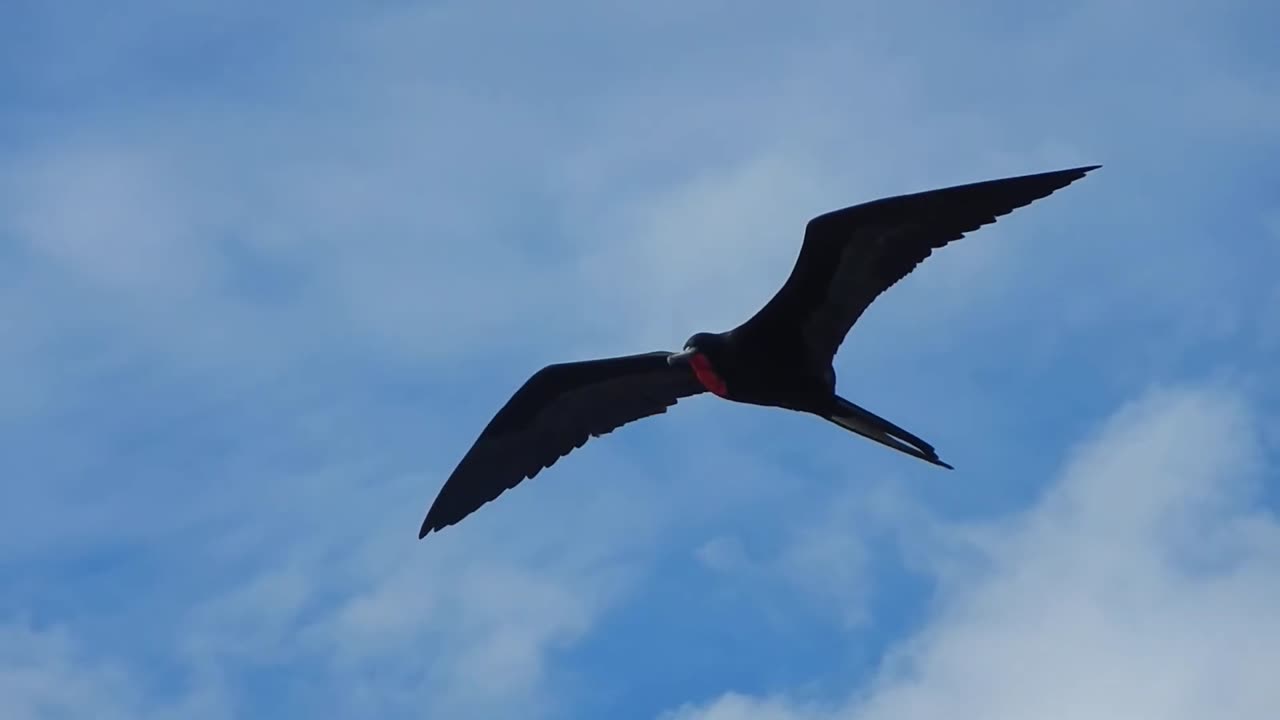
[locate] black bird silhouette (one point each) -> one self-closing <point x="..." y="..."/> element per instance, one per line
<point x="781" y="357"/>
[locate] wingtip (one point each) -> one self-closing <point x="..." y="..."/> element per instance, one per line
<point x="427" y="527"/>
<point x="1061" y="178"/>
<point x="433" y="523"/>
<point x="1075" y="173"/>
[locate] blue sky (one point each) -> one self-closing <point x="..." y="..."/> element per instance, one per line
<point x="267" y="270"/>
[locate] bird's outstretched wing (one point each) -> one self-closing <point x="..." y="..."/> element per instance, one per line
<point x="554" y="412"/>
<point x="850" y="256"/>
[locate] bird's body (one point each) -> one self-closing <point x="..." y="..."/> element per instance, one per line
<point x="781" y="357"/>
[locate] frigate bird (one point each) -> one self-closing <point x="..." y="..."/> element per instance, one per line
<point x="780" y="357"/>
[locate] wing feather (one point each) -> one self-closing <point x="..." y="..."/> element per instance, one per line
<point x="555" y="412"/>
<point x="852" y="255"/>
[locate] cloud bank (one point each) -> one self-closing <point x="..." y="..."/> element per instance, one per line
<point x="1139" y="585"/>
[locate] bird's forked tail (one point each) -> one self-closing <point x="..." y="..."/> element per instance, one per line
<point x="869" y="425"/>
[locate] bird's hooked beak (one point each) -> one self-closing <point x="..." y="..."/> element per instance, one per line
<point x="682" y="358"/>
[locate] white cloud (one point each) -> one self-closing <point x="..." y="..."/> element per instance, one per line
<point x="1143" y="584"/>
<point x="464" y="624"/>
<point x="46" y="674"/>
<point x="819" y="563"/>
<point x="736" y="706"/>
<point x="40" y="677"/>
<point x="119" y="219"/>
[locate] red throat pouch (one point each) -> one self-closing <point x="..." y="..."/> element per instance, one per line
<point x="707" y="375"/>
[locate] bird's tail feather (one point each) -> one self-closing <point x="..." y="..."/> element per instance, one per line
<point x="872" y="426"/>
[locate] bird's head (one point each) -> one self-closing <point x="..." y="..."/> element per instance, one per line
<point x="703" y="353"/>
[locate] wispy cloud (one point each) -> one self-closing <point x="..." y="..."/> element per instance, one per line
<point x="1136" y="586"/>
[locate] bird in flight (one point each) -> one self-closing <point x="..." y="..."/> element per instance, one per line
<point x="780" y="357"/>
